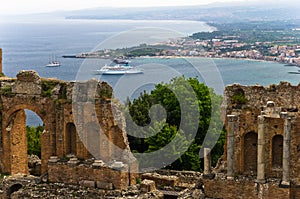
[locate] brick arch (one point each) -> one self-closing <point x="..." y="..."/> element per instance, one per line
<point x="53" y="102"/>
<point x="250" y="153"/>
<point x="14" y="141"/>
<point x="9" y="114"/>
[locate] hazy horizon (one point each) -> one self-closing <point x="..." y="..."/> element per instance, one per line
<point x="16" y="7"/>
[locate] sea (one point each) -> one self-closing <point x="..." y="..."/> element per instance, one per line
<point x="29" y="44"/>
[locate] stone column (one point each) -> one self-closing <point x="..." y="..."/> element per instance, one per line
<point x="286" y="149"/>
<point x="260" y="150"/>
<point x="232" y="119"/>
<point x="207" y="162"/>
<point x="18" y="145"/>
<point x="0" y="60"/>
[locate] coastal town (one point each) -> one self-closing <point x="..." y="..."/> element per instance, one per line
<point x="282" y="46"/>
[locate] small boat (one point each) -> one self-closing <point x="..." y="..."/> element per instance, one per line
<point x="121" y="61"/>
<point x="118" y="70"/>
<point x="69" y="56"/>
<point x="291" y="64"/>
<point x="53" y="63"/>
<point x="295" y="72"/>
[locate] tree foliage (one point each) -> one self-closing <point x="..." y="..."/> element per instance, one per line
<point x="162" y="131"/>
<point x="33" y="140"/>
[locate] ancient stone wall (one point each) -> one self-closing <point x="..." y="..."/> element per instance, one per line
<point x="284" y="95"/>
<point x="81" y="119"/>
<point x="190" y="177"/>
<point x="243" y="188"/>
<point x="75" y="172"/>
<point x="261" y="154"/>
<point x="247" y="108"/>
<point x="0" y="60"/>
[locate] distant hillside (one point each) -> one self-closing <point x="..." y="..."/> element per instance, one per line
<point x="220" y="13"/>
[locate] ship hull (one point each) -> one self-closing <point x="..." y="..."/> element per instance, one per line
<point x="127" y="72"/>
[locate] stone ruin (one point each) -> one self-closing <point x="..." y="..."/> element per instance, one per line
<point x="260" y="160"/>
<point x="84" y="136"/>
<point x="262" y="150"/>
<point x="84" y="146"/>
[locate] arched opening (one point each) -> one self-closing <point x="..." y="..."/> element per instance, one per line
<point x="250" y="153"/>
<point x="277" y="151"/>
<point x="34" y="130"/>
<point x="71" y="139"/>
<point x="13" y="188"/>
<point x="22" y="141"/>
<point x="93" y="140"/>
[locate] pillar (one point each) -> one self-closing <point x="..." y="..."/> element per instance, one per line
<point x="0" y="60"/>
<point x="18" y="145"/>
<point x="260" y="150"/>
<point x="232" y="119"/>
<point x="286" y="149"/>
<point x="207" y="161"/>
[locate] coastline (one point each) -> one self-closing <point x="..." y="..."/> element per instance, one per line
<point x="263" y="59"/>
<point x="177" y="57"/>
<point x="229" y="58"/>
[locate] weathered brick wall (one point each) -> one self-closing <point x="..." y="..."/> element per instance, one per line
<point x="295" y="152"/>
<point x="189" y="177"/>
<point x="61" y="104"/>
<point x="74" y="174"/>
<point x="247" y="109"/>
<point x="161" y="179"/>
<point x="13" y="102"/>
<point x="243" y="188"/>
<point x="286" y="97"/>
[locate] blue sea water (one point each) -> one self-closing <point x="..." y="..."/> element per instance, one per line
<point x="28" y="45"/>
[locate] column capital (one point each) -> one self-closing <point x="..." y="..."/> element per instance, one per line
<point x="261" y="119"/>
<point x="284" y="115"/>
<point x="232" y="118"/>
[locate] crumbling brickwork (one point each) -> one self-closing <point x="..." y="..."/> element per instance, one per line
<point x="261" y="155"/>
<point x="243" y="188"/>
<point x="76" y="172"/>
<point x="81" y="119"/>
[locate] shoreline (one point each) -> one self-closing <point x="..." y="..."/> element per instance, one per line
<point x="183" y="57"/>
<point x="229" y="58"/>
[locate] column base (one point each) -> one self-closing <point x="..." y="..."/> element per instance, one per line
<point x="285" y="184"/>
<point x="209" y="176"/>
<point x="261" y="181"/>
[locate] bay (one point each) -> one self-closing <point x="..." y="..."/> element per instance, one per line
<point x="27" y="45"/>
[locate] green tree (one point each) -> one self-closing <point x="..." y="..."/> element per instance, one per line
<point x="33" y="140"/>
<point x="166" y="95"/>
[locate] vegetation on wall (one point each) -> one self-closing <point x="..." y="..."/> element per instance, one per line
<point x="47" y="87"/>
<point x="238" y="98"/>
<point x="63" y="91"/>
<point x="105" y="92"/>
<point x="6" y="91"/>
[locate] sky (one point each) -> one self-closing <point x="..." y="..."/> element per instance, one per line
<point x="15" y="7"/>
